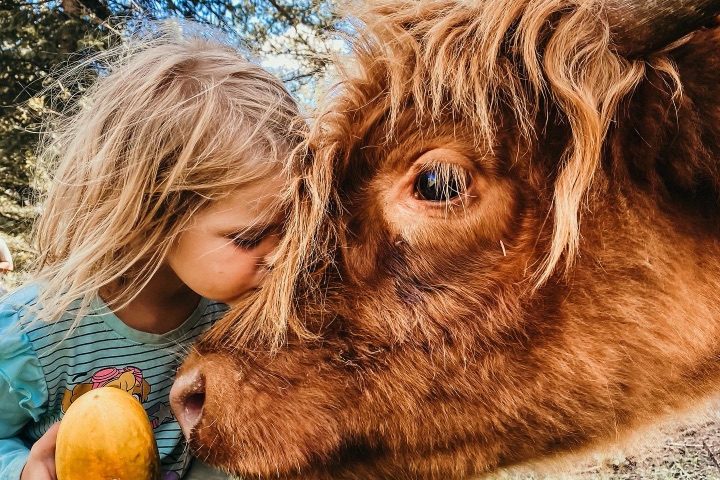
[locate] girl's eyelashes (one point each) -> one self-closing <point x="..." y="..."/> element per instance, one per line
<point x="251" y="238"/>
<point x="247" y="243"/>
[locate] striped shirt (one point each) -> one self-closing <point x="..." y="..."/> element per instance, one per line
<point x="100" y="351"/>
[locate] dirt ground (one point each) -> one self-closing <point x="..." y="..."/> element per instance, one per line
<point x="688" y="447"/>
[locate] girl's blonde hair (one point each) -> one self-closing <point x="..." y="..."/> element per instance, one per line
<point x="172" y="123"/>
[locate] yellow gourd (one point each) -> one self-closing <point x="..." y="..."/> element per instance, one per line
<point x="106" y="435"/>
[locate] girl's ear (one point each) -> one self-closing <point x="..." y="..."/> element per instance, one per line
<point x="640" y="27"/>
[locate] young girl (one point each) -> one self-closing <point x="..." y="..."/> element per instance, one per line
<point x="161" y="209"/>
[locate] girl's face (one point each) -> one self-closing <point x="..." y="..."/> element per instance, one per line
<point x="223" y="253"/>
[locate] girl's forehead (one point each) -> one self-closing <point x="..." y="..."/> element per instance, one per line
<point x="251" y="203"/>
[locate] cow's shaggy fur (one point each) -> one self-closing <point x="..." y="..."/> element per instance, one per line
<point x="570" y="293"/>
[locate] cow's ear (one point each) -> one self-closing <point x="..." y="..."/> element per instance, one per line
<point x="642" y="27"/>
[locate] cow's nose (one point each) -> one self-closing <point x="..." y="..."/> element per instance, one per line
<point x="187" y="398"/>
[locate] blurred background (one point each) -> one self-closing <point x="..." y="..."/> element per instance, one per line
<point x="293" y="39"/>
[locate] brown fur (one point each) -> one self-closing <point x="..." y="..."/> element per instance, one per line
<point x="446" y="343"/>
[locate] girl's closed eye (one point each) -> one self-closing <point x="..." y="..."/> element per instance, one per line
<point x="247" y="243"/>
<point x="251" y="238"/>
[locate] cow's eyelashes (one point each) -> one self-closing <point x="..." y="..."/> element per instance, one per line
<point x="441" y="183"/>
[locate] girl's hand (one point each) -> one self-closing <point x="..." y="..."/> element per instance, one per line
<point x="41" y="462"/>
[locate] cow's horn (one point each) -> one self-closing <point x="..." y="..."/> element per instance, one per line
<point x="641" y="27"/>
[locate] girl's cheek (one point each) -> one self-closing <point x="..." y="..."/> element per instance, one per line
<point x="248" y="266"/>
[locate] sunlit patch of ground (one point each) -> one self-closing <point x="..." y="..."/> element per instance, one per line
<point x="688" y="448"/>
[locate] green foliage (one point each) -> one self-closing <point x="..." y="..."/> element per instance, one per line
<point x="293" y="29"/>
<point x="38" y="36"/>
<point x="33" y="39"/>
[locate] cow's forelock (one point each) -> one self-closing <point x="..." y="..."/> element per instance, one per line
<point x="482" y="64"/>
<point x="476" y="61"/>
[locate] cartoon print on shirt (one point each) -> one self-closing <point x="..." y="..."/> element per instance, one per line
<point x="129" y="379"/>
<point x="160" y="413"/>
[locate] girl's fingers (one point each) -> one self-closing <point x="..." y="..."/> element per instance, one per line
<point x="52" y="432"/>
<point x="41" y="462"/>
<point x="50" y="438"/>
<point x="46" y="444"/>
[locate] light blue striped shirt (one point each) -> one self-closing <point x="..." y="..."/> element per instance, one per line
<point x="44" y="367"/>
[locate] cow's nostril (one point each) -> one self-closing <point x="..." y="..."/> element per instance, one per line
<point x="194" y="402"/>
<point x="187" y="398"/>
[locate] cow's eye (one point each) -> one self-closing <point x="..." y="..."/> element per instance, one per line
<point x="440" y="184"/>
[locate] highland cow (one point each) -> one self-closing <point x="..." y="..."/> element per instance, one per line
<point x="502" y="244"/>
